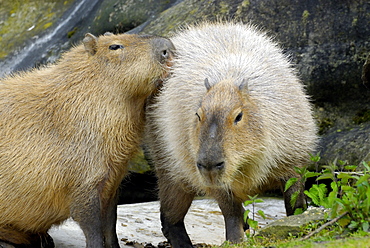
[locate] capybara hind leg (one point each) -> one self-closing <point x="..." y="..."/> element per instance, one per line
<point x="300" y="202"/>
<point x="11" y="237"/>
<point x="89" y="217"/>
<point x="175" y="203"/>
<point x="232" y="210"/>
<point x="110" y="219"/>
<point x="39" y="240"/>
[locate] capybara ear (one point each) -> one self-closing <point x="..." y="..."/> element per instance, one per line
<point x="206" y="83"/>
<point x="90" y="43"/>
<point x="244" y="85"/>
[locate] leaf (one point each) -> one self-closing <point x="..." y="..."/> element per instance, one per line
<point x="350" y="167"/>
<point x="346" y="188"/>
<point x="245" y="215"/>
<point x="293" y="198"/>
<point x="290" y="182"/>
<point x="253" y="197"/>
<point x="298" y="211"/>
<point x="363" y="179"/>
<point x="326" y="176"/>
<point x="367" y="167"/>
<point x="314" y="197"/>
<point x="258" y="201"/>
<point x="312" y="174"/>
<point x="345" y="177"/>
<point x="343" y="222"/>
<point x="321" y="189"/>
<point x="334" y="186"/>
<point x="262" y="214"/>
<point x="252" y="223"/>
<point x="331" y="199"/>
<point x="353" y="224"/>
<point x="300" y="170"/>
<point x="315" y="158"/>
<point x="365" y="226"/>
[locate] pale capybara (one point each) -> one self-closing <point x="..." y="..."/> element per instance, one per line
<point x="67" y="132"/>
<point x="232" y="120"/>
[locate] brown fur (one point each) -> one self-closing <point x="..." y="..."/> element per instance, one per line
<point x="232" y="120"/>
<point x="67" y="132"/>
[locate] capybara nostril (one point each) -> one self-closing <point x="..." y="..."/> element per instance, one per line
<point x="220" y="165"/>
<point x="211" y="166"/>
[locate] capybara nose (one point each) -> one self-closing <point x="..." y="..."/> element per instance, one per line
<point x="210" y="165"/>
<point x="163" y="49"/>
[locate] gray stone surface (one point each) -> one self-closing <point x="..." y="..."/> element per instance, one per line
<point x="282" y="228"/>
<point x="140" y="222"/>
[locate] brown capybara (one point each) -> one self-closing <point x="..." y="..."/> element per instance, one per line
<point x="232" y="120"/>
<point x="67" y="132"/>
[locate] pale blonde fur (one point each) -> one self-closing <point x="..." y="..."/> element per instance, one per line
<point x="284" y="132"/>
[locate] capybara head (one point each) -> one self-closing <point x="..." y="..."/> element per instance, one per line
<point x="144" y="58"/>
<point x="227" y="131"/>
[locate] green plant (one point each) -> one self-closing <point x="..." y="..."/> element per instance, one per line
<point x="348" y="195"/>
<point x="304" y="175"/>
<point x="253" y="200"/>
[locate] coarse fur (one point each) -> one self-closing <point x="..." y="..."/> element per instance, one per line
<point x="232" y="120"/>
<point x="67" y="132"/>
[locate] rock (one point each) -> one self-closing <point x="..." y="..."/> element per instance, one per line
<point x="350" y="145"/>
<point x="366" y="71"/>
<point x="291" y="225"/>
<point x="139" y="224"/>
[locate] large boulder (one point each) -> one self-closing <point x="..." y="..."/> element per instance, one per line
<point x="328" y="41"/>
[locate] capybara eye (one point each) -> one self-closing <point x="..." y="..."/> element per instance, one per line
<point x="165" y="54"/>
<point x="238" y="117"/>
<point x="115" y="47"/>
<point x="197" y="116"/>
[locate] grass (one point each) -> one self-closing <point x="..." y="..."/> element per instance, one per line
<point x="327" y="240"/>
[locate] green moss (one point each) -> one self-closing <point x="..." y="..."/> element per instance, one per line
<point x="246" y="3"/>
<point x="17" y="18"/>
<point x="305" y="16"/>
<point x="224" y="8"/>
<point x="72" y="32"/>
<point x="47" y="25"/>
<point x="243" y="5"/>
<point x="362" y="116"/>
<point x="324" y="125"/>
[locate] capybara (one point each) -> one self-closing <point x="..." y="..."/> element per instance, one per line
<point x="67" y="132"/>
<point x="232" y="120"/>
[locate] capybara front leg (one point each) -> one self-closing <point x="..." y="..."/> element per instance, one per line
<point x="175" y="203"/>
<point x="110" y="219"/>
<point x="300" y="202"/>
<point x="88" y="216"/>
<point x="232" y="210"/>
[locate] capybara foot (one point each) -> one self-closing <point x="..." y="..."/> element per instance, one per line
<point x="176" y="234"/>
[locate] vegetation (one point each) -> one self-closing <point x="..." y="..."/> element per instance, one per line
<point x="342" y="189"/>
